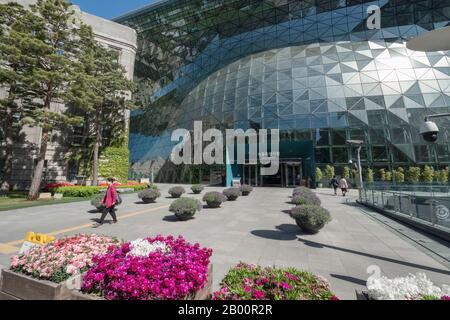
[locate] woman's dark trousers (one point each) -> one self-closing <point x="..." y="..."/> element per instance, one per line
<point x="111" y="211"/>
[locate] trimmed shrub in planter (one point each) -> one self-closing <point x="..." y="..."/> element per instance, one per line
<point x="185" y="208"/>
<point x="302" y="196"/>
<point x="246" y="189"/>
<point x="149" y="195"/>
<point x="160" y="268"/>
<point x="306" y="199"/>
<point x="96" y="201"/>
<point x="232" y="193"/>
<point x="310" y="218"/>
<point x="197" y="188"/>
<point x="214" y="199"/>
<point x="176" y="192"/>
<point x="250" y="282"/>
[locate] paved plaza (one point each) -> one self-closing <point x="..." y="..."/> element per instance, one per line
<point x="254" y="229"/>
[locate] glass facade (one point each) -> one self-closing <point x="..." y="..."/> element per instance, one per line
<point x="310" y="68"/>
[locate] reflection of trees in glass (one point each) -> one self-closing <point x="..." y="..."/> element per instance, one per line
<point x="156" y="117"/>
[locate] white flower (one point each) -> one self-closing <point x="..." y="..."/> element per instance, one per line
<point x="402" y="288"/>
<point x="142" y="248"/>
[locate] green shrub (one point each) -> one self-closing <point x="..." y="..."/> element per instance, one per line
<point x="399" y="175"/>
<point x="330" y="172"/>
<point x="388" y="175"/>
<point x="346" y="173"/>
<point x="310" y="218"/>
<point x="442" y="176"/>
<point x="149" y="195"/>
<point x="176" y="192"/>
<point x="185" y="208"/>
<point x="319" y="175"/>
<point x="301" y="191"/>
<point x="382" y="174"/>
<point x="96" y="201"/>
<point x="369" y="175"/>
<point x="214" y="199"/>
<point x="78" y="192"/>
<point x="246" y="189"/>
<point x="232" y="193"/>
<point x="197" y="188"/>
<point x="414" y="174"/>
<point x="306" y="199"/>
<point x="428" y="174"/>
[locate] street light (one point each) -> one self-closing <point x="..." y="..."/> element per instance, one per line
<point x="358" y="144"/>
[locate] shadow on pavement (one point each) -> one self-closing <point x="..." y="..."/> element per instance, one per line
<point x="284" y="232"/>
<point x="373" y="256"/>
<point x="349" y="279"/>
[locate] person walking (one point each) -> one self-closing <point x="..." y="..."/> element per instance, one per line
<point x="344" y="186"/>
<point x="109" y="201"/>
<point x="335" y="184"/>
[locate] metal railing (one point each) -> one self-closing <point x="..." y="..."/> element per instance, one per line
<point x="428" y="205"/>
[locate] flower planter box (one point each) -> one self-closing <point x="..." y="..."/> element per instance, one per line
<point x="23" y="287"/>
<point x="203" y="294"/>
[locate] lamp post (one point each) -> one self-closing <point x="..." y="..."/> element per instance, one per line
<point x="358" y="144"/>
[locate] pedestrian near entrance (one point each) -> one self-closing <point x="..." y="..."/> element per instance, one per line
<point x="344" y="186"/>
<point x="335" y="184"/>
<point x="109" y="201"/>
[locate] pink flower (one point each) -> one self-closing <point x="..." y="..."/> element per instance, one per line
<point x="258" y="294"/>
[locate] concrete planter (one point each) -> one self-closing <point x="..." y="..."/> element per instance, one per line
<point x="22" y="287"/>
<point x="203" y="294"/>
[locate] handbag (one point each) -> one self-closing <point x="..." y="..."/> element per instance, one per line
<point x="119" y="199"/>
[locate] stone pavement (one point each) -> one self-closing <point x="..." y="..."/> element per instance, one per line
<point x="254" y="229"/>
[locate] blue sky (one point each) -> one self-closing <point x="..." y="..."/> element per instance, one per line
<point x="110" y="8"/>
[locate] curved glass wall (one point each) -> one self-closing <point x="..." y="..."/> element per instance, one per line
<point x="310" y="68"/>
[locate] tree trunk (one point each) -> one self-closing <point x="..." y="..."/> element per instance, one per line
<point x="98" y="141"/>
<point x="7" y="169"/>
<point x="37" y="175"/>
<point x="33" y="194"/>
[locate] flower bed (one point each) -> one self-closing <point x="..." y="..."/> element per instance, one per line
<point x="412" y="287"/>
<point x="160" y="268"/>
<point x="63" y="258"/>
<point x="49" y="186"/>
<point x="250" y="282"/>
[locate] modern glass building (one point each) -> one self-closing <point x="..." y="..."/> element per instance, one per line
<point x="313" y="69"/>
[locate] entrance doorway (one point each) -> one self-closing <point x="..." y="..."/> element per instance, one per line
<point x="291" y="174"/>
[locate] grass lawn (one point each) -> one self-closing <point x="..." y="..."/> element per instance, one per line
<point x="19" y="201"/>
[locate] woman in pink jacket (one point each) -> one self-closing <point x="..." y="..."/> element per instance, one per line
<point x="109" y="201"/>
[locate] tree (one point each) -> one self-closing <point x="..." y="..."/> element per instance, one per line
<point x="319" y="175"/>
<point x="428" y="174"/>
<point x="346" y="173"/>
<point x="388" y="175"/>
<point x="382" y="174"/>
<point x="414" y="174"/>
<point x="14" y="20"/>
<point x="104" y="89"/>
<point x="442" y="176"/>
<point x="47" y="53"/>
<point x="330" y="172"/>
<point x="399" y="175"/>
<point x="369" y="175"/>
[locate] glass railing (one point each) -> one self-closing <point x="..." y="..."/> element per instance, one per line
<point x="424" y="204"/>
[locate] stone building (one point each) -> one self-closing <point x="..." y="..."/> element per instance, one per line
<point x="58" y="167"/>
